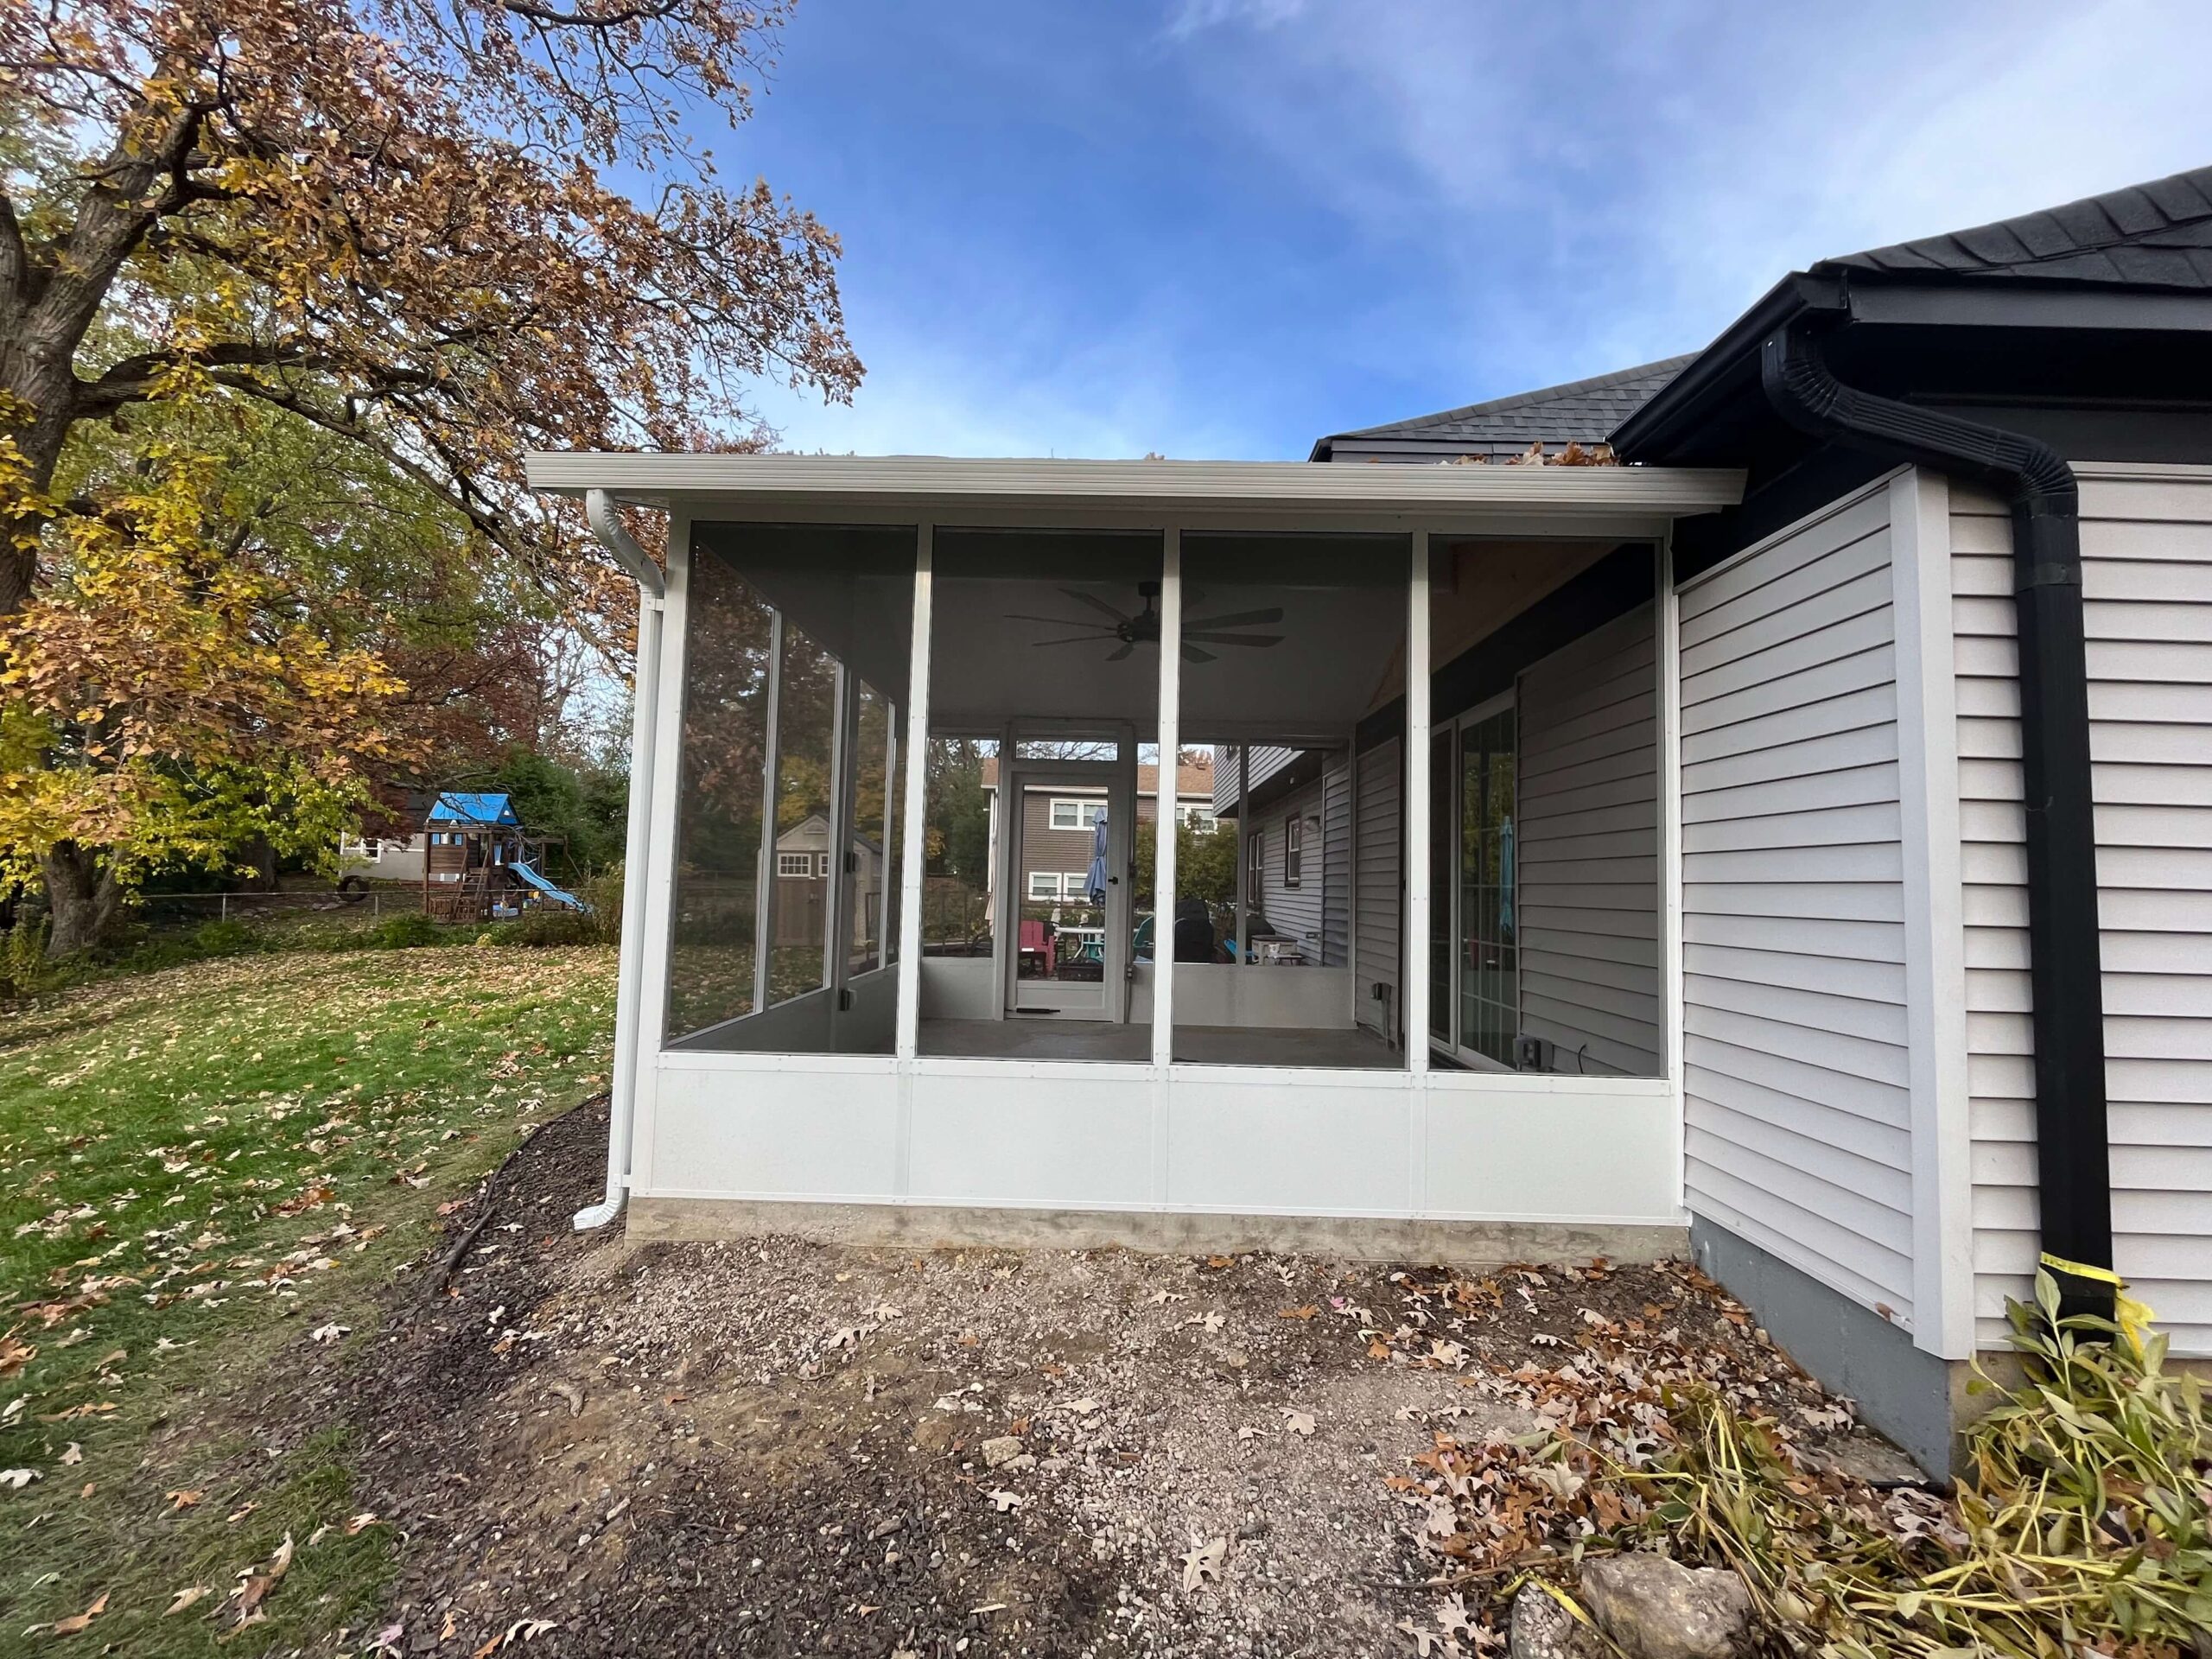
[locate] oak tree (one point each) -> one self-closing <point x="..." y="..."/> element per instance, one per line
<point x="443" y="231"/>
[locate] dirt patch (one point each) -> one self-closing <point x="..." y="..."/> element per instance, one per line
<point x="779" y="1447"/>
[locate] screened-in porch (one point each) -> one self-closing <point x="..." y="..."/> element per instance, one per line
<point x="932" y="914"/>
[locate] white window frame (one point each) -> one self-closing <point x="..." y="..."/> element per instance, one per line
<point x="1038" y="888"/>
<point x="1076" y="885"/>
<point x="794" y="864"/>
<point x="1293" y="851"/>
<point x="1201" y="820"/>
<point x="1076" y="804"/>
<point x="1255" y="870"/>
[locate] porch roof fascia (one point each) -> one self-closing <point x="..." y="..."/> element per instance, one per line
<point x="951" y="489"/>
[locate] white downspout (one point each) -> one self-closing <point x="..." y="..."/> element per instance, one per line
<point x="653" y="589"/>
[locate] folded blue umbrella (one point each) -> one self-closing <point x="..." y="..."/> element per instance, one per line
<point x="1098" y="861"/>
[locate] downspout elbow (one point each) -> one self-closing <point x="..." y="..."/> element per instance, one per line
<point x="607" y="524"/>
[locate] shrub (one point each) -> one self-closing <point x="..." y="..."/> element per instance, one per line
<point x="405" y="931"/>
<point x="23" y="966"/>
<point x="542" y="926"/>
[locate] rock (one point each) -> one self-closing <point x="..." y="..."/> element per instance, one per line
<point x="1004" y="1449"/>
<point x="1656" y="1608"/>
<point x="1865" y="1456"/>
<point x="1542" y="1629"/>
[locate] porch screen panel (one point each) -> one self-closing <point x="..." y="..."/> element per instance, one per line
<point x="782" y="789"/>
<point x="1043" y="672"/>
<point x="1293" y="643"/>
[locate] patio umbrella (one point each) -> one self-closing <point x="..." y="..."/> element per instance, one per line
<point x="1098" y="861"/>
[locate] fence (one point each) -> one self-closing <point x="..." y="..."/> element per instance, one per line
<point x="189" y="909"/>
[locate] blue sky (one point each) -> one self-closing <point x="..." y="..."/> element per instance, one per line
<point x="1220" y="228"/>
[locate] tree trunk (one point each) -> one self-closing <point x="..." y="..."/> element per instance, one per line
<point x="82" y="894"/>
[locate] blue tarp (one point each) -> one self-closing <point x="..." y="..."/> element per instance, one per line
<point x="546" y="887"/>
<point x="464" y="806"/>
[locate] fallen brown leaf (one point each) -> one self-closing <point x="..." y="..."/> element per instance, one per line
<point x="77" y="1622"/>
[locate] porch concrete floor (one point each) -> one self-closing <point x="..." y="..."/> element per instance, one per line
<point x="1028" y="1037"/>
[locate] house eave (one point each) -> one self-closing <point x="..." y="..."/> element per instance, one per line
<point x="949" y="489"/>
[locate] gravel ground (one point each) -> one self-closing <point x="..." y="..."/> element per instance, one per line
<point x="774" y="1447"/>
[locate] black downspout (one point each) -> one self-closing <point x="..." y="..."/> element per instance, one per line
<point x="2073" y="1160"/>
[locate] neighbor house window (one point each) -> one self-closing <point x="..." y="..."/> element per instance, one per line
<point x="1076" y="815"/>
<point x="1043" y="884"/>
<point x="1076" y="884"/>
<point x="1293" y="851"/>
<point x="1201" y="819"/>
<point x="1256" y="863"/>
<point x="794" y="863"/>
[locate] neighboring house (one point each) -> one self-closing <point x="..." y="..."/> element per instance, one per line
<point x="382" y="858"/>
<point x="803" y="882"/>
<point x="1792" y="842"/>
<point x="1059" y="835"/>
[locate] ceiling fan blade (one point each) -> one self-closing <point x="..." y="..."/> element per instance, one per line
<point x="1116" y="655"/>
<point x="1236" y="639"/>
<point x="1192" y="598"/>
<point x="1193" y="654"/>
<point x="1074" y="639"/>
<point x="1236" y="619"/>
<point x="1094" y="602"/>
<point x="1057" y="621"/>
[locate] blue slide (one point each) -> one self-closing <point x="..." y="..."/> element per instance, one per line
<point x="546" y="887"/>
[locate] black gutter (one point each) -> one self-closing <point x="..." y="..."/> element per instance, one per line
<point x="2073" y="1158"/>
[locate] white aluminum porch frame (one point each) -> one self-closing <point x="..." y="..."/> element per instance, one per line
<point x="1161" y="1136"/>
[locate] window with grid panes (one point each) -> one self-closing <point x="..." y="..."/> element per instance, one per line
<point x="1489" y="971"/>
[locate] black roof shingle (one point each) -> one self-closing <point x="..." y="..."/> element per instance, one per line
<point x="2153" y="235"/>
<point x="1580" y="412"/>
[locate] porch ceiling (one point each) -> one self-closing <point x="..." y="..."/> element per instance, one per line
<point x="955" y="490"/>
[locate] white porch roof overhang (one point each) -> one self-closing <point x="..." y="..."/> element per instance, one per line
<point x="1512" y="500"/>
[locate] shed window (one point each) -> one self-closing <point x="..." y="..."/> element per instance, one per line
<point x="794" y="863"/>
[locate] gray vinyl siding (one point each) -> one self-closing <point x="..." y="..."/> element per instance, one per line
<point x="2147" y="546"/>
<point x="1295" y="910"/>
<point x="1266" y="762"/>
<point x="1588" y="850"/>
<point x="1336" y="867"/>
<point x="1375" y="882"/>
<point x="1798" y="1131"/>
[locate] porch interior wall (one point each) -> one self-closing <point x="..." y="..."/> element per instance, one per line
<point x="1588" y="851"/>
<point x="1796" y="1088"/>
<point x="1294" y="911"/>
<point x="1378" y="883"/>
<point x="2146" y="553"/>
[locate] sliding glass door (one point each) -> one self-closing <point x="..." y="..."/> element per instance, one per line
<point x="1485" y="1000"/>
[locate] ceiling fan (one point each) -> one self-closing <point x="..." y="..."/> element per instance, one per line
<point x="1143" y="628"/>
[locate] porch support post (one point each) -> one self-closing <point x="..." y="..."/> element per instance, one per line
<point x="1666" y="621"/>
<point x="884" y="942"/>
<point x="838" y="913"/>
<point x="1244" y="844"/>
<point x="1170" y="754"/>
<point x="1415" y="945"/>
<point x="906" y="1041"/>
<point x="764" y="876"/>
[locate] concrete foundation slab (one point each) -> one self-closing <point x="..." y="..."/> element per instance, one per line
<point x="915" y="1226"/>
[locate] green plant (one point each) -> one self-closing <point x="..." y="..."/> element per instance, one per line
<point x="24" y="967"/>
<point x="2085" y="1525"/>
<point x="542" y="926"/>
<point x="405" y="931"/>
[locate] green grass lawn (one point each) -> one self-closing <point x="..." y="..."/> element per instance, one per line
<point x="198" y="1167"/>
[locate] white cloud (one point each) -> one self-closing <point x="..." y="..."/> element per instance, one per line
<point x="1664" y="166"/>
